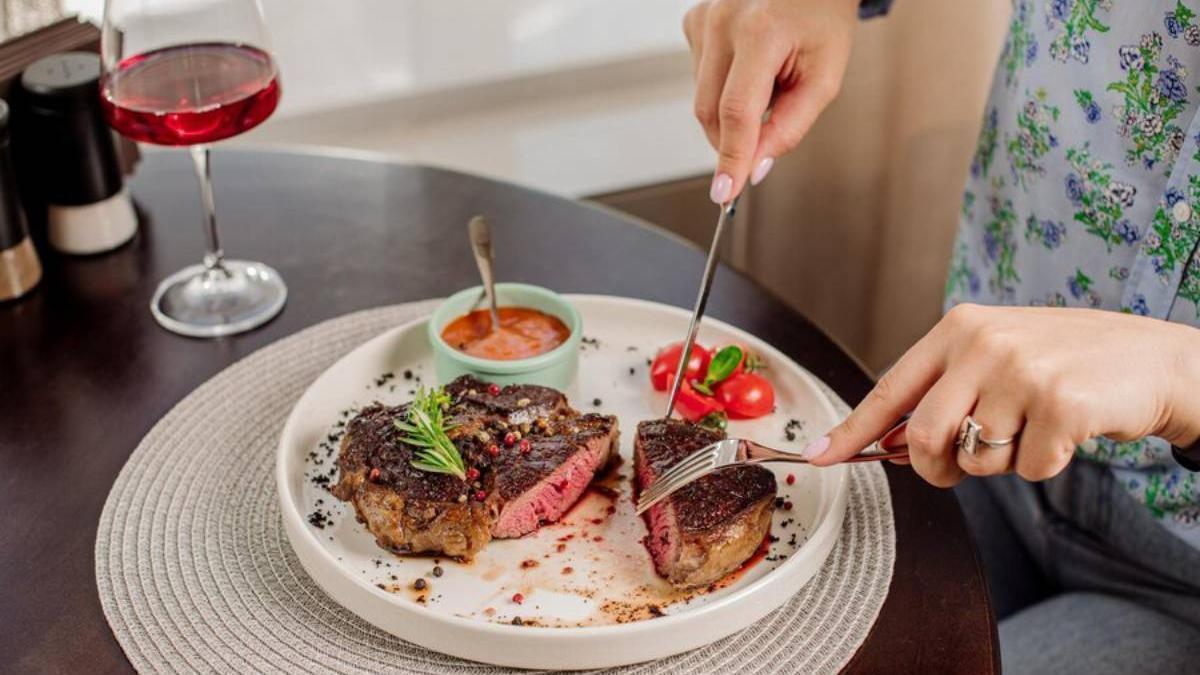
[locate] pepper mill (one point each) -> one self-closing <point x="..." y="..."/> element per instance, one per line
<point x="20" y="269"/>
<point x="69" y="148"/>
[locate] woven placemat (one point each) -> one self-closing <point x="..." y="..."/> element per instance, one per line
<point x="196" y="574"/>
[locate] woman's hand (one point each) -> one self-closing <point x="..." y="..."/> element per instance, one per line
<point x="747" y="51"/>
<point x="1052" y="378"/>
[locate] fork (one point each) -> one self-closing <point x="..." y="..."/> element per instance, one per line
<point x="737" y="451"/>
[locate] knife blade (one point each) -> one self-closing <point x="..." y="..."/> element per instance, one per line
<point x="710" y="268"/>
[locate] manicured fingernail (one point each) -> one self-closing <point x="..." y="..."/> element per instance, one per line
<point x="722" y="188"/>
<point x="761" y="170"/>
<point x="816" y="448"/>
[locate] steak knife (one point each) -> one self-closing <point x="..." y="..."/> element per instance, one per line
<point x="710" y="269"/>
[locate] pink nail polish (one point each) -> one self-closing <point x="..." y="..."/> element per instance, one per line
<point x="816" y="448"/>
<point x="722" y="188"/>
<point x="761" y="170"/>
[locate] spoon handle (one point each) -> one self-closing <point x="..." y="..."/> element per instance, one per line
<point x="481" y="246"/>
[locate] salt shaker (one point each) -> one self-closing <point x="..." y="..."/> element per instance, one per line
<point x="20" y="269"/>
<point x="69" y="148"/>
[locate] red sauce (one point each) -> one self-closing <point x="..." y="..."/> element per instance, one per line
<point x="523" y="333"/>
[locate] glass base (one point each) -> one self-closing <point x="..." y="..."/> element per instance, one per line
<point x="201" y="302"/>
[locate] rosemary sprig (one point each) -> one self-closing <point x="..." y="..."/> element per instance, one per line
<point x="425" y="428"/>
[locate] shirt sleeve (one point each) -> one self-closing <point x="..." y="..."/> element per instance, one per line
<point x="872" y="8"/>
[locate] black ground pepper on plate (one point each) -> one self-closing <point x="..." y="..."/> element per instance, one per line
<point x="420" y="584"/>
<point x="438" y="571"/>
<point x="789" y="430"/>
<point x="318" y="519"/>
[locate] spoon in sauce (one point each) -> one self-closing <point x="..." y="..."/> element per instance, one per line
<point x="481" y="245"/>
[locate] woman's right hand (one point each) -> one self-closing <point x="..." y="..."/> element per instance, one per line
<point x="748" y="55"/>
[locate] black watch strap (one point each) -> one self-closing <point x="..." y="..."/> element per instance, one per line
<point x="1189" y="457"/>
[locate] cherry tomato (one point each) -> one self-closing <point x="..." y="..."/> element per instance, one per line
<point x="746" y="395"/>
<point x="691" y="404"/>
<point x="667" y="362"/>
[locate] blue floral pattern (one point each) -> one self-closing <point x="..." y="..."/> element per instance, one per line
<point x="1084" y="189"/>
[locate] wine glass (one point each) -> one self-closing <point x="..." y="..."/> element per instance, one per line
<point x="189" y="73"/>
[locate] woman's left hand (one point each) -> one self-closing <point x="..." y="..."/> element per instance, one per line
<point x="1050" y="377"/>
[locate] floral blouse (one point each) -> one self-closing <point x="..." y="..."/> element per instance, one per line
<point x="1085" y="189"/>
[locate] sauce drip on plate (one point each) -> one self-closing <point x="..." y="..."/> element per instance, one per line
<point x="523" y="333"/>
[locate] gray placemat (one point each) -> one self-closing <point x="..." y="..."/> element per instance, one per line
<point x="196" y="574"/>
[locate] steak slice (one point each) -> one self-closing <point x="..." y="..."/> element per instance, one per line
<point x="515" y="404"/>
<point x="539" y="486"/>
<point x="413" y="511"/>
<point x="710" y="527"/>
<point x="408" y="510"/>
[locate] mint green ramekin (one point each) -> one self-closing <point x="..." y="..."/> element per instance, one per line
<point x="556" y="368"/>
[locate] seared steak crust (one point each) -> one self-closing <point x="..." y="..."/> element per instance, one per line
<point x="414" y="511"/>
<point x="710" y="527"/>
<point x="519" y="472"/>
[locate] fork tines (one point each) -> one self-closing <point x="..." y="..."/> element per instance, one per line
<point x="692" y="467"/>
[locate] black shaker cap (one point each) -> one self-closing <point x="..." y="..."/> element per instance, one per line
<point x="4" y="119"/>
<point x="63" y="82"/>
<point x="62" y="135"/>
<point x="12" y="217"/>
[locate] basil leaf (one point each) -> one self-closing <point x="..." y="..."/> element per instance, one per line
<point x="723" y="364"/>
<point x="717" y="421"/>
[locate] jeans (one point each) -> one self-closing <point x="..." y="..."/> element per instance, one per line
<point x="1082" y="578"/>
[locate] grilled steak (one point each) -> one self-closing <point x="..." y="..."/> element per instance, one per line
<point x="412" y="511"/>
<point x="710" y="527"/>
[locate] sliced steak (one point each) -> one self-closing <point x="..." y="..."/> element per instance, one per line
<point x="408" y="510"/>
<point x="539" y="486"/>
<point x="414" y="511"/>
<point x="710" y="527"/>
<point x="517" y="404"/>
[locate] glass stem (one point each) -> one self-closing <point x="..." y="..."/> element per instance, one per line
<point x="214" y="256"/>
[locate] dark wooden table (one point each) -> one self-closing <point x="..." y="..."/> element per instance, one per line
<point x="85" y="372"/>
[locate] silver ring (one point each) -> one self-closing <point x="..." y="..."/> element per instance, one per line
<point x="998" y="442"/>
<point x="970" y="435"/>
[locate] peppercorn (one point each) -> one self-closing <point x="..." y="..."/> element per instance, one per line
<point x="494" y="389"/>
<point x="517" y="621"/>
<point x="420" y="584"/>
<point x="480" y="495"/>
<point x="525" y="445"/>
<point x="472" y="473"/>
<point x="787" y="506"/>
<point x="509" y="439"/>
<point x="518" y="598"/>
<point x="791" y="479"/>
<point x="493" y="450"/>
<point x="438" y="571"/>
<point x="374" y="475"/>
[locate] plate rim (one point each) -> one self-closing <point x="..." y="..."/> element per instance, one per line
<point x="293" y="518"/>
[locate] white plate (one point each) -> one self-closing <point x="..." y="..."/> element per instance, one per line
<point x="599" y="613"/>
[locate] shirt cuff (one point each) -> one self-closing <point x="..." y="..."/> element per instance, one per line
<point x="873" y="8"/>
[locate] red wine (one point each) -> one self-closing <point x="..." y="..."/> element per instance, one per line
<point x="190" y="94"/>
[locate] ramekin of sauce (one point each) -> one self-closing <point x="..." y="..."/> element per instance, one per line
<point x="537" y="343"/>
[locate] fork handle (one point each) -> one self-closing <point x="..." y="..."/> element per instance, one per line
<point x="875" y="453"/>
